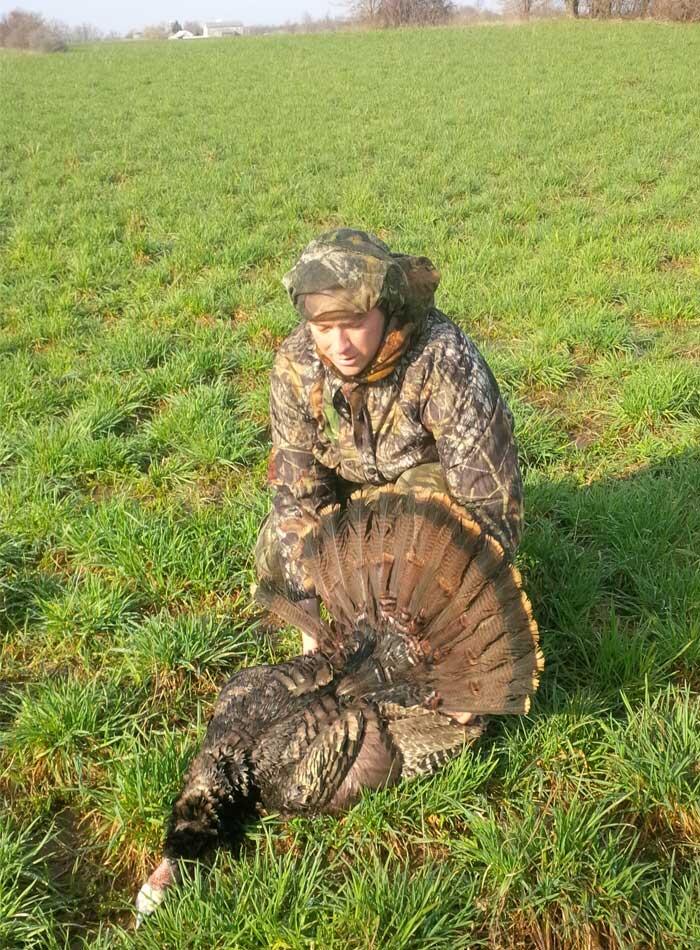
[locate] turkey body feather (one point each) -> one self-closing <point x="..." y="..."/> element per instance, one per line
<point x="428" y="624"/>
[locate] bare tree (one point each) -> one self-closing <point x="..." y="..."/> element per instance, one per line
<point x="156" y="31"/>
<point x="684" y="10"/>
<point x="518" y="8"/>
<point x="364" y="11"/>
<point x="393" y="13"/>
<point x="84" y="33"/>
<point x="473" y="13"/>
<point x="22" y="30"/>
<point x="193" y="27"/>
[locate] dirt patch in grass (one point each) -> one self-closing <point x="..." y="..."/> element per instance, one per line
<point x="266" y="339"/>
<point x="671" y="263"/>
<point x="211" y="487"/>
<point x="207" y="320"/>
<point x="103" y="492"/>
<point x="583" y="437"/>
<point x="240" y="316"/>
<point x="527" y="932"/>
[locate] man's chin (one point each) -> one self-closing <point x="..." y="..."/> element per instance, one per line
<point x="349" y="369"/>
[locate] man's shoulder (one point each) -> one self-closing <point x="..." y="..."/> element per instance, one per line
<point x="447" y="360"/>
<point x="442" y="339"/>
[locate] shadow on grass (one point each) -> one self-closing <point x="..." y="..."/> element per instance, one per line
<point x="613" y="572"/>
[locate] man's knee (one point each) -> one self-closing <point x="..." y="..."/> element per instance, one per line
<point x="429" y="476"/>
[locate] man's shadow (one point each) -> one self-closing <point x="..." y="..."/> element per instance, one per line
<point x="613" y="573"/>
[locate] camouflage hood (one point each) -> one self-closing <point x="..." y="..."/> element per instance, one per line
<point x="358" y="269"/>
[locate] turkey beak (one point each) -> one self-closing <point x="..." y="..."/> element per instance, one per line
<point x="152" y="894"/>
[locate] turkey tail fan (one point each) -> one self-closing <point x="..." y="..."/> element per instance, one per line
<point x="443" y="602"/>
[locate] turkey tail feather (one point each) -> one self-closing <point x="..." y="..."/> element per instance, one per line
<point x="325" y="557"/>
<point x="358" y="529"/>
<point x="280" y="605"/>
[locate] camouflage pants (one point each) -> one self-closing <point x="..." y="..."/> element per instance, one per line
<point x="268" y="564"/>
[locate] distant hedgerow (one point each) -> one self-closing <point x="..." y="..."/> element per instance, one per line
<point x="22" y="30"/>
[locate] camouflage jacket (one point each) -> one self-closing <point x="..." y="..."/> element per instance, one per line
<point x="440" y="404"/>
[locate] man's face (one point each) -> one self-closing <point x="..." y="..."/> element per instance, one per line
<point x="349" y="341"/>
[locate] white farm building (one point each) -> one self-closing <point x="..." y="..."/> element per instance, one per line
<point x="222" y="28"/>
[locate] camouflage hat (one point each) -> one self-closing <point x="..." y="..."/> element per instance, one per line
<point x="353" y="271"/>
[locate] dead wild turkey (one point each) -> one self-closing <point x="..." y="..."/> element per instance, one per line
<point x="429" y="623"/>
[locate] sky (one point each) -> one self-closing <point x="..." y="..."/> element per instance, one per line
<point x="129" y="14"/>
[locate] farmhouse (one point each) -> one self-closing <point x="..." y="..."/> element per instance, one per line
<point x="223" y="28"/>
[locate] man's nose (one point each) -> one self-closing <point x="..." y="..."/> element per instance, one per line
<point x="342" y="341"/>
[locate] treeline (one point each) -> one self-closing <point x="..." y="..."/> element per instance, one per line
<point x="393" y="13"/>
<point x="22" y="30"/>
<point x="682" y="10"/>
<point x="679" y="10"/>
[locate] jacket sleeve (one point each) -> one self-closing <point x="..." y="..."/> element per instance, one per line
<point x="473" y="431"/>
<point x="301" y="484"/>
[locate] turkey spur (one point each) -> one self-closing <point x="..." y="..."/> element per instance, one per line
<point x="429" y="626"/>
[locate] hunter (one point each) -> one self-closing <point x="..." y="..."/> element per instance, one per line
<point x="377" y="385"/>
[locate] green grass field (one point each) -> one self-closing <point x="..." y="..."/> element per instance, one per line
<point x="151" y="197"/>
